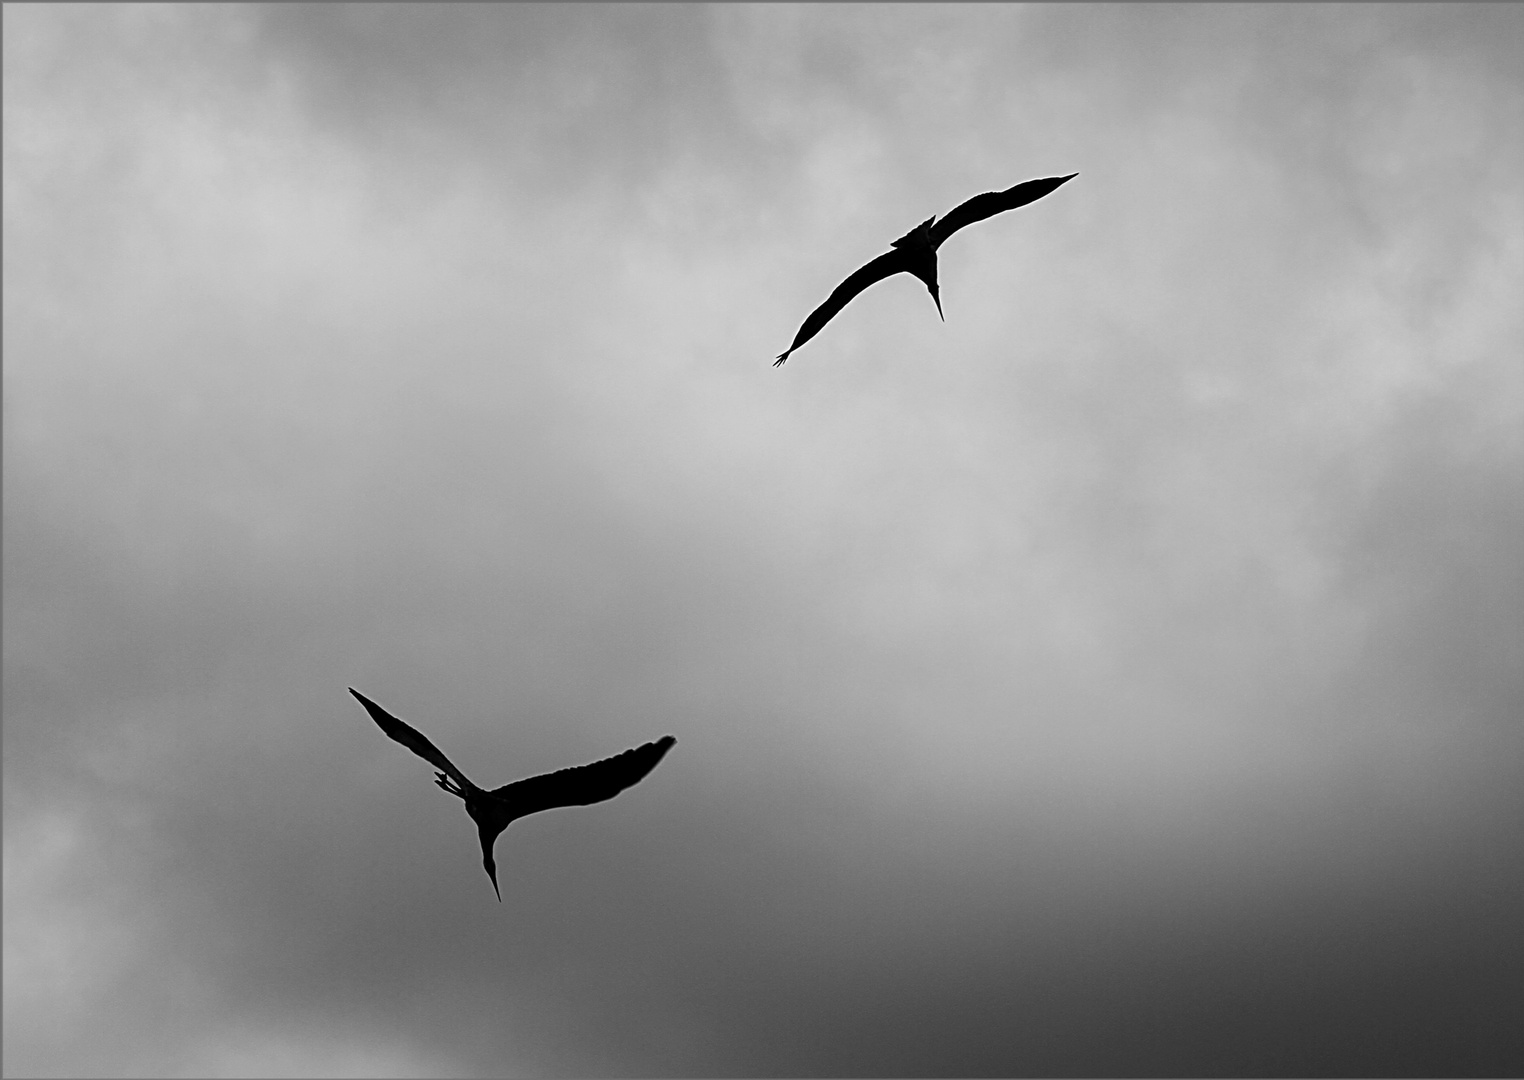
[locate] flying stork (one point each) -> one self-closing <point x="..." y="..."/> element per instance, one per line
<point x="494" y="810"/>
<point x="916" y="252"/>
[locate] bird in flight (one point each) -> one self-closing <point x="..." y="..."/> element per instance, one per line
<point x="916" y="251"/>
<point x="494" y="810"/>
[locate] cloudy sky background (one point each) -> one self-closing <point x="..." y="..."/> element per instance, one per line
<point x="1122" y="677"/>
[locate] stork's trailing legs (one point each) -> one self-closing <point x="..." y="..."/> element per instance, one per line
<point x="450" y="786"/>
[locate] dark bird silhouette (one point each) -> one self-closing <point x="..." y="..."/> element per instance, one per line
<point x="916" y="251"/>
<point x="494" y="810"/>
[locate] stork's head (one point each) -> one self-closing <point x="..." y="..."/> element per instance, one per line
<point x="491" y="868"/>
<point x="492" y="817"/>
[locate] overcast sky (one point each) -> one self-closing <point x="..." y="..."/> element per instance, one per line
<point x="1125" y="676"/>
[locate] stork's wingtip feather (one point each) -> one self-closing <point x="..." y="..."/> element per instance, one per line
<point x="781" y="357"/>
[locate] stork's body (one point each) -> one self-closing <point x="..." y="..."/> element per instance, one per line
<point x="493" y="811"/>
<point x="915" y="253"/>
<point x="918" y="251"/>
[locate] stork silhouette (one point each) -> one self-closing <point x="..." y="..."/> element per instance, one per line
<point x="494" y="810"/>
<point x="916" y="252"/>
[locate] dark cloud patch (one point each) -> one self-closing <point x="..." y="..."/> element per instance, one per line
<point x="591" y="100"/>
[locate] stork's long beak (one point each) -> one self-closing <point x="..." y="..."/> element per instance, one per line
<point x="936" y="295"/>
<point x="488" y="836"/>
<point x="492" y="873"/>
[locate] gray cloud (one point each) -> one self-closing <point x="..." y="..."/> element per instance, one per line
<point x="1121" y="677"/>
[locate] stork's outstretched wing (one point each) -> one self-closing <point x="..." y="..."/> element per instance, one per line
<point x="584" y="784"/>
<point x="412" y="738"/>
<point x="887" y="264"/>
<point x="994" y="202"/>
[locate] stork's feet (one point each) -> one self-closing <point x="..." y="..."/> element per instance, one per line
<point x="444" y="782"/>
